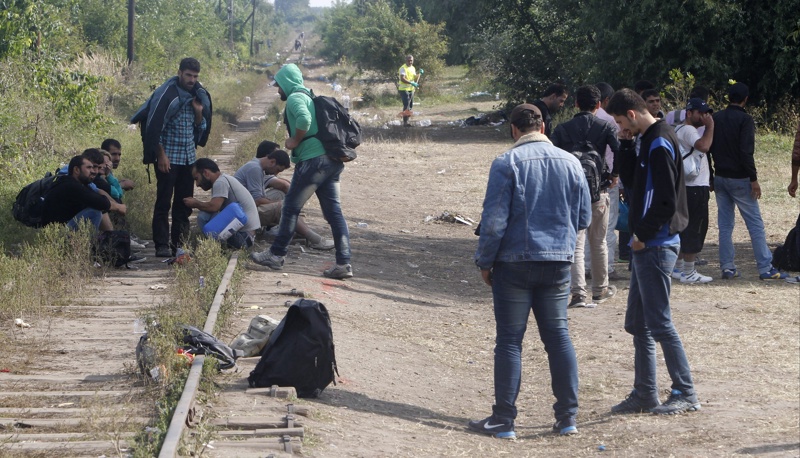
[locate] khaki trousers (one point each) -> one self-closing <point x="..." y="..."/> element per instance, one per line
<point x="595" y="236"/>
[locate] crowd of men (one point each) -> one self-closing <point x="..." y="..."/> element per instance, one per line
<point x="539" y="211"/>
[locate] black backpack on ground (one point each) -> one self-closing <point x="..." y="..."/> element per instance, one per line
<point x="198" y="342"/>
<point x="787" y="256"/>
<point x="113" y="248"/>
<point x="300" y="352"/>
<point x="28" y="205"/>
<point x="338" y="132"/>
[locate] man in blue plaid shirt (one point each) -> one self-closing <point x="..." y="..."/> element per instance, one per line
<point x="183" y="108"/>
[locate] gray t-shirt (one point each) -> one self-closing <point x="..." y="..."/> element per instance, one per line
<point x="231" y="190"/>
<point x="252" y="177"/>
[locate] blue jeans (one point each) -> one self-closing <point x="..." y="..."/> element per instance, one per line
<point x="320" y="176"/>
<point x="735" y="192"/>
<point x="649" y="320"/>
<point x="518" y="288"/>
<point x="89" y="214"/>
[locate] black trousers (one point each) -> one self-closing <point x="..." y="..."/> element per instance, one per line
<point x="171" y="188"/>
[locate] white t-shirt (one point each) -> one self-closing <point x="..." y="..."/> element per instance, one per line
<point x="687" y="137"/>
<point x="231" y="190"/>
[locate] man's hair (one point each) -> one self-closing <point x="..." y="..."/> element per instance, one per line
<point x="528" y="121"/>
<point x="205" y="163"/>
<point x="94" y="155"/>
<point x="189" y="63"/>
<point x="624" y="100"/>
<point x="409" y="56"/>
<point x="281" y="158"/>
<point x="587" y="97"/>
<point x="699" y="92"/>
<point x="738" y="92"/>
<point x="643" y="85"/>
<point x="606" y="91"/>
<point x="76" y="161"/>
<point x="109" y="142"/>
<point x="650" y="93"/>
<point x="265" y="147"/>
<point x="555" y="88"/>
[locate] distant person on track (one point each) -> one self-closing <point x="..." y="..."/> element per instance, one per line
<point x="652" y="172"/>
<point x="176" y="120"/>
<point x="225" y="190"/>
<point x="550" y="103"/>
<point x="735" y="184"/>
<point x="315" y="173"/>
<point x="260" y="177"/>
<point x="537" y="199"/>
<point x="408" y="82"/>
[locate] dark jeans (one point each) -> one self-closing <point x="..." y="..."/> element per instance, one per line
<point x="542" y="287"/>
<point x="171" y="188"/>
<point x="408" y="102"/>
<point x="649" y="320"/>
<point x="320" y="176"/>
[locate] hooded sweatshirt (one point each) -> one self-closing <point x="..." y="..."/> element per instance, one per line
<point x="300" y="112"/>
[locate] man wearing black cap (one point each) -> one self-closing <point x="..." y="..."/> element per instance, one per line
<point x="735" y="183"/>
<point x="696" y="173"/>
<point x="537" y="199"/>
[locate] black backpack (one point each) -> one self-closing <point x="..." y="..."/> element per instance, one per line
<point x="787" y="256"/>
<point x="28" y="205"/>
<point x="593" y="163"/>
<point x="299" y="352"/>
<point x="113" y="248"/>
<point x="338" y="132"/>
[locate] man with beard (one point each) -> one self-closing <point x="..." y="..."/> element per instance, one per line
<point x="225" y="190"/>
<point x="174" y="121"/>
<point x="551" y="102"/>
<point x="71" y="200"/>
<point x="315" y="173"/>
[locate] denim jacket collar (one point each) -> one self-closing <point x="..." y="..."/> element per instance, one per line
<point x="532" y="137"/>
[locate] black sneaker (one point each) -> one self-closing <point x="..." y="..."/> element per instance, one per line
<point x="493" y="428"/>
<point x="565" y="427"/>
<point x="607" y="293"/>
<point x="677" y="403"/>
<point x="163" y="252"/>
<point x="577" y="302"/>
<point x="634" y="404"/>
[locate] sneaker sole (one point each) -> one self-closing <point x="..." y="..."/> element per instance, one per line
<point x="693" y="408"/>
<point x="568" y="431"/>
<point x="508" y="435"/>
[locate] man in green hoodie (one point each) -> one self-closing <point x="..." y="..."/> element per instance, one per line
<point x="315" y="173"/>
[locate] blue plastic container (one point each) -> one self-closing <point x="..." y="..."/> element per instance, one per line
<point x="226" y="223"/>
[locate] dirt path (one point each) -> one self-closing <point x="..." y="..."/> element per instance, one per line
<point x="414" y="330"/>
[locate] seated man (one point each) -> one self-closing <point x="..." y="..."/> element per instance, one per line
<point x="225" y="190"/>
<point x="114" y="147"/>
<point x="260" y="177"/>
<point x="71" y="200"/>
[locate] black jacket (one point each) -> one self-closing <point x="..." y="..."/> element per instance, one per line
<point x="733" y="145"/>
<point x="67" y="198"/>
<point x="586" y="126"/>
<point x="546" y="118"/>
<point x="657" y="206"/>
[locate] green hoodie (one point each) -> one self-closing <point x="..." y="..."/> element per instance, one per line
<point x="299" y="112"/>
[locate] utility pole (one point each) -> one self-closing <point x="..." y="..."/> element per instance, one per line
<point x="252" y="27"/>
<point x="230" y="24"/>
<point x="131" y="15"/>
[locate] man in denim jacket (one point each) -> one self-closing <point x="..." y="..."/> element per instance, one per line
<point x="537" y="200"/>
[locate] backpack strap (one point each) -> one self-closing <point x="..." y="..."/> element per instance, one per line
<point x="691" y="150"/>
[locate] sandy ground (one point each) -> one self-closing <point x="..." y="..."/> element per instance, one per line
<point x="414" y="329"/>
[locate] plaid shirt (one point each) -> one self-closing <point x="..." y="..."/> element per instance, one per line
<point x="178" y="137"/>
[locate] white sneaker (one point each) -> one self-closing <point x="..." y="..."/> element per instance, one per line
<point x="677" y="274"/>
<point x="136" y="245"/>
<point x="695" y="277"/>
<point x="324" y="244"/>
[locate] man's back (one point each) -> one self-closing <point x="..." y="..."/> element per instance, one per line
<point x="585" y="126"/>
<point x="734" y="143"/>
<point x="230" y="189"/>
<point x="251" y="176"/>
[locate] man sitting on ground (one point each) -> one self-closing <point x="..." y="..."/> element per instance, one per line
<point x="260" y="178"/>
<point x="71" y="200"/>
<point x="225" y="190"/>
<point x="114" y="147"/>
